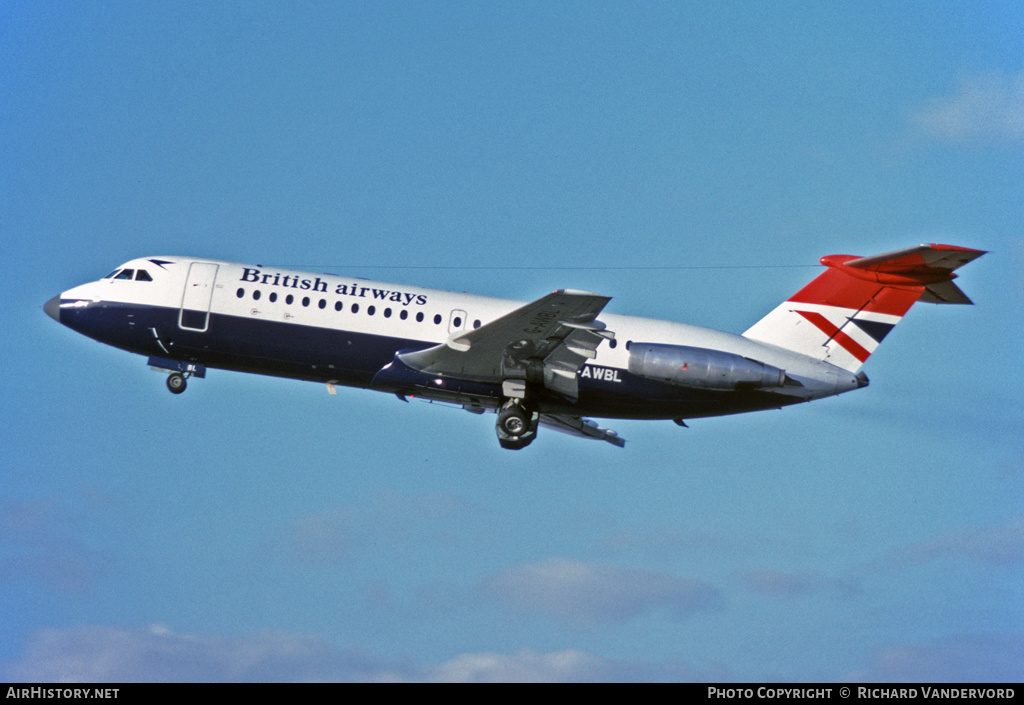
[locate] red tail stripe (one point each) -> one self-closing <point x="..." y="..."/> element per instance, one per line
<point x="833" y="287"/>
<point x="828" y="328"/>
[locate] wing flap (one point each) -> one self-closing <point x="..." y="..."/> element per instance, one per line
<point x="582" y="428"/>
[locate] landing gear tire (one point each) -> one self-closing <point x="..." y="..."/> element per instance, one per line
<point x="517" y="444"/>
<point x="514" y="420"/>
<point x="516" y="426"/>
<point x="176" y="383"/>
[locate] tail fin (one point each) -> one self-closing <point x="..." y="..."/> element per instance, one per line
<point x="844" y="314"/>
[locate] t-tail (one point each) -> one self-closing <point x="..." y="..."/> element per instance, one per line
<point x="844" y="314"/>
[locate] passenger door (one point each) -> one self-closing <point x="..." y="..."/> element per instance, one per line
<point x="195" y="301"/>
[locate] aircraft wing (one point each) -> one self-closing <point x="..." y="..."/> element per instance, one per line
<point x="584" y="428"/>
<point x="544" y="342"/>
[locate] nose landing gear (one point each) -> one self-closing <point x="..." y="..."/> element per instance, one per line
<point x="176" y="382"/>
<point x="179" y="372"/>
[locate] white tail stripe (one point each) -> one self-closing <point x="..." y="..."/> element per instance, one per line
<point x="824" y="332"/>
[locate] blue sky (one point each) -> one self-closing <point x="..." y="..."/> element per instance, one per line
<point x="258" y="529"/>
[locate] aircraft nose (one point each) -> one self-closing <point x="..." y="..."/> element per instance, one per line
<point x="52" y="308"/>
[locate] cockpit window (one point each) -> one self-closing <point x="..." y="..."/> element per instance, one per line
<point x="111" y="275"/>
<point x="128" y="274"/>
<point x="143" y="276"/>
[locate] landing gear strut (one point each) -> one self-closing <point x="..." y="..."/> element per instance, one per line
<point x="517" y="425"/>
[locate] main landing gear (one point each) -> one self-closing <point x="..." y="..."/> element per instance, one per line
<point x="517" y="424"/>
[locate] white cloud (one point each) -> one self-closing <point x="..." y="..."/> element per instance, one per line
<point x="567" y="666"/>
<point x="523" y="667"/>
<point x="98" y="654"/>
<point x="985" y="108"/>
<point x="582" y="594"/>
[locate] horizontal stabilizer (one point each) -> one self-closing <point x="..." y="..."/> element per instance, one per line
<point x="923" y="260"/>
<point x="932" y="265"/>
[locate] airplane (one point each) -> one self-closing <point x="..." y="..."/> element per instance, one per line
<point x="549" y="363"/>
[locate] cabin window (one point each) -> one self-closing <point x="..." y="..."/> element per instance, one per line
<point x="387" y="313"/>
<point x="370" y="310"/>
<point x="273" y="296"/>
<point x="404" y="314"/>
<point x="476" y="323"/>
<point x="289" y="299"/>
<point x="323" y="303"/>
<point x="240" y="293"/>
<point x="355" y="308"/>
<point x="419" y="317"/>
<point x="128" y="274"/>
<point x="437" y="319"/>
<point x="305" y="301"/>
<point x="143" y="276"/>
<point x="256" y="295"/>
<point x="337" y="305"/>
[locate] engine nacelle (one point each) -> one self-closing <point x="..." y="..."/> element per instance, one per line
<point x="701" y="368"/>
